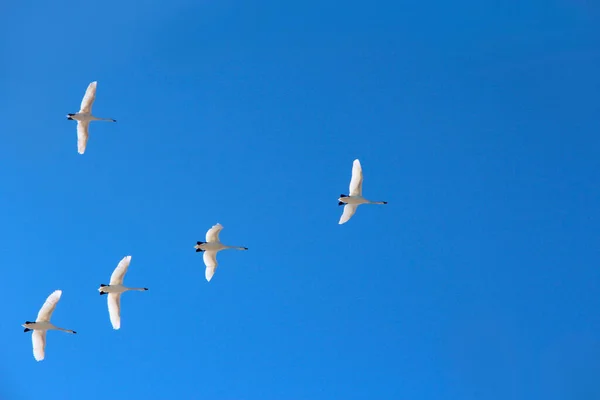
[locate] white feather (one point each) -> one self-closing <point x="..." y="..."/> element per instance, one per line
<point x="212" y="235"/>
<point x="88" y="99"/>
<point x="210" y="260"/>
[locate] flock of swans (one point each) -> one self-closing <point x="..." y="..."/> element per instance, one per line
<point x="210" y="247"/>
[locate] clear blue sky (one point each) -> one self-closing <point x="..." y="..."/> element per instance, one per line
<point x="477" y="121"/>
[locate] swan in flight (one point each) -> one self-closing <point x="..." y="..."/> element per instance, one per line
<point x="211" y="247"/>
<point x="42" y="324"/>
<point x="114" y="291"/>
<point x="84" y="117"/>
<point x="355" y="198"/>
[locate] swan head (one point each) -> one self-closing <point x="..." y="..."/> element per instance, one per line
<point x="70" y="116"/>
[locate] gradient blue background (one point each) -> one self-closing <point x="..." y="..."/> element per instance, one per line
<point x="477" y="121"/>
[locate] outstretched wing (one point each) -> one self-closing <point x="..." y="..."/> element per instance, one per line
<point x="49" y="305"/>
<point x="210" y="260"/>
<point x="119" y="273"/>
<point x="82" y="135"/>
<point x="349" y="210"/>
<point x="212" y="235"/>
<point x="114" y="309"/>
<point x="88" y="98"/>
<point x="38" y="338"/>
<point x="357" y="179"/>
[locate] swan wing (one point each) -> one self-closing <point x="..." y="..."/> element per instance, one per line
<point x="38" y="338"/>
<point x="88" y="98"/>
<point x="82" y="135"/>
<point x="349" y="210"/>
<point x="49" y="305"/>
<point x="212" y="235"/>
<point x="119" y="273"/>
<point x="210" y="260"/>
<point x="357" y="179"/>
<point x="114" y="309"/>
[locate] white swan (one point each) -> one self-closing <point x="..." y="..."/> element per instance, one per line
<point x="84" y="117"/>
<point x="355" y="198"/>
<point x="114" y="290"/>
<point x="42" y="324"/>
<point x="211" y="247"/>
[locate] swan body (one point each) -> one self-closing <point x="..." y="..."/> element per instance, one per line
<point x="84" y="117"/>
<point x="210" y="248"/>
<point x="114" y="290"/>
<point x="355" y="198"/>
<point x="42" y="324"/>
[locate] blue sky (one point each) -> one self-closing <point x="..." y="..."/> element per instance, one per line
<point x="477" y="122"/>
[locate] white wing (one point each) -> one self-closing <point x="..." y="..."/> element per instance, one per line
<point x="88" y="98"/>
<point x="114" y="309"/>
<point x="82" y="135"/>
<point x="49" y="305"/>
<point x="349" y="210"/>
<point x="38" y="339"/>
<point x="357" y="178"/>
<point x="210" y="260"/>
<point x="212" y="235"/>
<point x="119" y="273"/>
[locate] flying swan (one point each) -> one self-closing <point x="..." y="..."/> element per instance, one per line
<point x="211" y="247"/>
<point x="42" y="324"/>
<point x="114" y="290"/>
<point x="84" y="116"/>
<point x="355" y="199"/>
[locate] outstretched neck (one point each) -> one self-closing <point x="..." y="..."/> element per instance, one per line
<point x="103" y="119"/>
<point x="236" y="247"/>
<point x="65" y="330"/>
<point x="139" y="289"/>
<point x="378" y="202"/>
